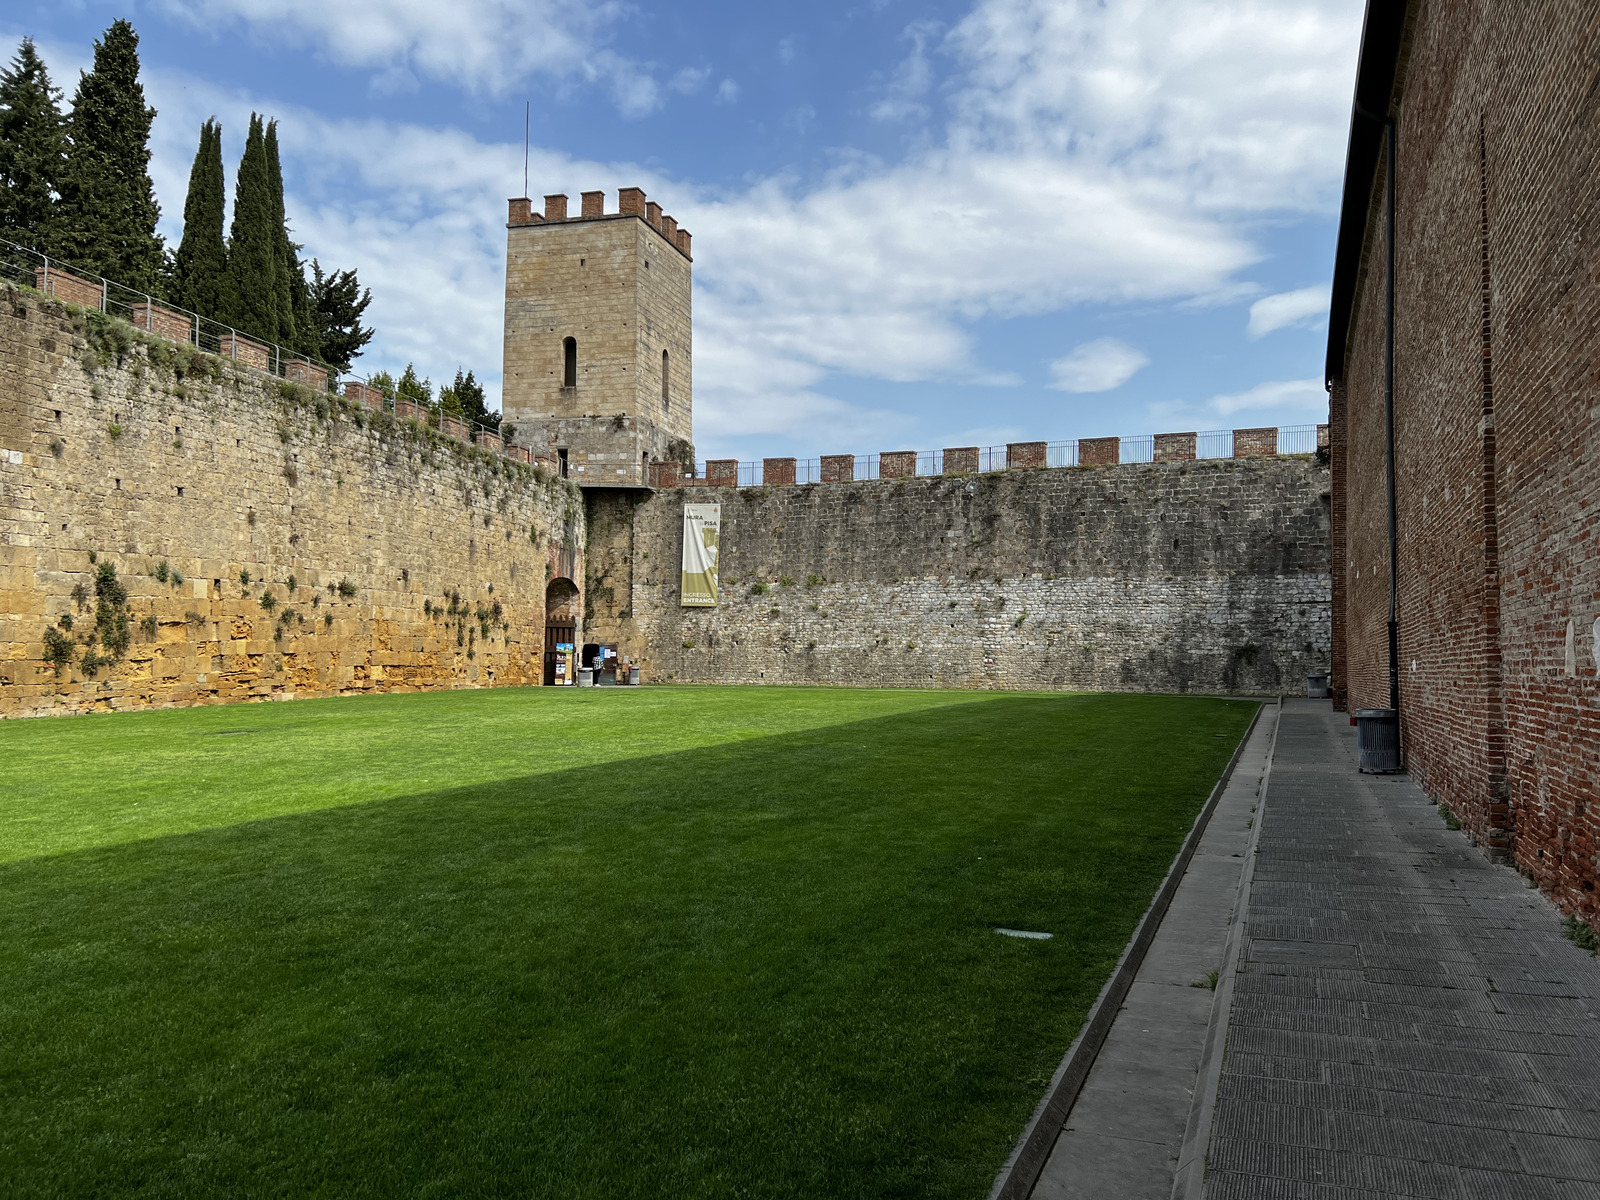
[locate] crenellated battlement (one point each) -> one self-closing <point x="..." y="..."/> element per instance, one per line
<point x="1261" y="441"/>
<point x="631" y="202"/>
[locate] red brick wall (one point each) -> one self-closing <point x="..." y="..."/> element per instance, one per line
<point x="1174" y="447"/>
<point x="961" y="460"/>
<point x="1337" y="454"/>
<point x="1099" y="452"/>
<point x="1497" y="433"/>
<point x="838" y="468"/>
<point x="1251" y="443"/>
<point x="897" y="464"/>
<point x="777" y="472"/>
<point x="1025" y="454"/>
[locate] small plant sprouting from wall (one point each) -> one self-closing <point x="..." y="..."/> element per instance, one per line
<point x="114" y="431"/>
<point x="1450" y="821"/>
<point x="327" y="620"/>
<point x="244" y="579"/>
<point x="268" y="601"/>
<point x="347" y="590"/>
<point x="250" y="518"/>
<point x="65" y="622"/>
<point x="59" y="649"/>
<point x="149" y="627"/>
<point x="80" y="594"/>
<point x="758" y="588"/>
<point x="291" y="584"/>
<point x="112" y="628"/>
<point x="162" y="571"/>
<point x="1581" y="934"/>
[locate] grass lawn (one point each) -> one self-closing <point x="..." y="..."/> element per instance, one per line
<point x="551" y="942"/>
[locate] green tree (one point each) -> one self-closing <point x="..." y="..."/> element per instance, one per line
<point x="33" y="150"/>
<point x="384" y="382"/>
<point x="418" y="390"/>
<point x="200" y="271"/>
<point x="465" y="397"/>
<point x="108" y="209"/>
<point x="292" y="297"/>
<point x="337" y="302"/>
<point x="250" y="295"/>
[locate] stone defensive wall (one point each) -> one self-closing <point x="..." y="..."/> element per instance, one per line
<point x="178" y="527"/>
<point x="1206" y="575"/>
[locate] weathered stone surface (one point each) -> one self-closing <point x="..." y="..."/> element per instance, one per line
<point x="1204" y="576"/>
<point x="224" y="472"/>
<point x="619" y="287"/>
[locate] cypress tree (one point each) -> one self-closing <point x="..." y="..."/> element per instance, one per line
<point x="108" y="208"/>
<point x="202" y="262"/>
<point x="33" y="150"/>
<point x="250" y="294"/>
<point x="285" y="262"/>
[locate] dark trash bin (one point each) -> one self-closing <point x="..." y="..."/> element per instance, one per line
<point x="1378" y="738"/>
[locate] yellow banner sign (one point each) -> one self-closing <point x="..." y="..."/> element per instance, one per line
<point x="702" y="528"/>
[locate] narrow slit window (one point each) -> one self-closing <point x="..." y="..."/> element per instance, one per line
<point x="569" y="356"/>
<point x="666" y="381"/>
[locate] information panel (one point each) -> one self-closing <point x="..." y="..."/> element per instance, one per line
<point x="702" y="527"/>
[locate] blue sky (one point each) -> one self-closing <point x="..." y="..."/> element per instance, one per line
<point x="916" y="224"/>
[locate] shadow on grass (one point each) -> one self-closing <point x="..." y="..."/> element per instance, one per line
<point x="760" y="968"/>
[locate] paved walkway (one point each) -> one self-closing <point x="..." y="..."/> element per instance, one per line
<point x="1396" y="1016"/>
<point x="1407" y="1019"/>
<point x="1123" y="1136"/>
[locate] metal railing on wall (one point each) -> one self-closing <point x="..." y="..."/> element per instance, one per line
<point x="1213" y="443"/>
<point x="26" y="267"/>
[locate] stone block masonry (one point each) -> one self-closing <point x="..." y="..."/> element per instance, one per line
<point x="1207" y="576"/>
<point x="393" y="559"/>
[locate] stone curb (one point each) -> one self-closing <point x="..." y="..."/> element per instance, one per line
<point x="1189" y="1182"/>
<point x="1022" y="1169"/>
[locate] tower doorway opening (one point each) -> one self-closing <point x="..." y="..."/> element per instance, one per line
<point x="560" y="632"/>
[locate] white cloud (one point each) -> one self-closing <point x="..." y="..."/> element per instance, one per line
<point x="1307" y="396"/>
<point x="903" y="98"/>
<point x="1094" y="155"/>
<point x="690" y="80"/>
<point x="1279" y="401"/>
<point x="1097" y="366"/>
<point x="483" y="46"/>
<point x="1306" y="306"/>
<point x="1241" y="103"/>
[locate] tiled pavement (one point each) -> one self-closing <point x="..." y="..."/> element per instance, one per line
<point x="1407" y="1019"/>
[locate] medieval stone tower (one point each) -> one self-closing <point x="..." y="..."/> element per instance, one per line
<point x="598" y="355"/>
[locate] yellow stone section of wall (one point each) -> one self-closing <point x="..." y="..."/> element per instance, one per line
<point x="219" y="471"/>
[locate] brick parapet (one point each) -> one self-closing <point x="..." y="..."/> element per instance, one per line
<point x="1251" y="443"/>
<point x="778" y="472"/>
<point x="153" y="318"/>
<point x="1174" y="447"/>
<point x="961" y="460"/>
<point x="1026" y="456"/>
<point x="1099" y="452"/>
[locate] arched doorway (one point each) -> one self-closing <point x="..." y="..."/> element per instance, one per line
<point x="560" y="631"/>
